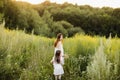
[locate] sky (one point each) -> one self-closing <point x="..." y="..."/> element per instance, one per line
<point x="93" y="3"/>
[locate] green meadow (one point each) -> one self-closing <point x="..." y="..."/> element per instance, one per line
<point x="27" y="57"/>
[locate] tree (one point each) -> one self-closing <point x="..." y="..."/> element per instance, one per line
<point x="58" y="28"/>
<point x="66" y="25"/>
<point x="116" y="13"/>
<point x="73" y="31"/>
<point x="71" y="19"/>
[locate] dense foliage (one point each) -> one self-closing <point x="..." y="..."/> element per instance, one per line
<point x="47" y="19"/>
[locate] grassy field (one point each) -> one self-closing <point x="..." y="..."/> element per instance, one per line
<point x="27" y="57"/>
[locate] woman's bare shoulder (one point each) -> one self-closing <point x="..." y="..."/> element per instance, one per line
<point x="60" y="42"/>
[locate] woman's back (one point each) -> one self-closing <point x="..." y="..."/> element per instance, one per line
<point x="59" y="46"/>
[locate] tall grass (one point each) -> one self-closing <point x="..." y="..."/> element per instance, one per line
<point x="99" y="69"/>
<point x="23" y="56"/>
<point x="105" y="64"/>
<point x="27" y="57"/>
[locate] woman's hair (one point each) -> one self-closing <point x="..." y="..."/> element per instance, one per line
<point x="58" y="39"/>
<point x="57" y="56"/>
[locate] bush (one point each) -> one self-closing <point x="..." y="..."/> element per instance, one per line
<point x="73" y="31"/>
<point x="100" y="67"/>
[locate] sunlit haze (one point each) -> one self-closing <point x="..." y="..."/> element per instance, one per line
<point x="94" y="3"/>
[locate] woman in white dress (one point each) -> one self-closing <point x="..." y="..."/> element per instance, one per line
<point x="59" y="46"/>
<point x="57" y="63"/>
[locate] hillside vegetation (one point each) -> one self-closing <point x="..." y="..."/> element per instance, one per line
<point x="48" y="19"/>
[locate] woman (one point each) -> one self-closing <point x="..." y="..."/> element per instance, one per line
<point x="59" y="46"/>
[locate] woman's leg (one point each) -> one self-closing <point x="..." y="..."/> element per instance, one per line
<point x="59" y="77"/>
<point x="55" y="77"/>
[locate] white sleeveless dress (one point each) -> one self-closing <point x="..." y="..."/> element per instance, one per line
<point x="58" y="68"/>
<point x="60" y="47"/>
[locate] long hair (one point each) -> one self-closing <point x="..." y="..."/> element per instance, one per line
<point x="58" y="39"/>
<point x="57" y="56"/>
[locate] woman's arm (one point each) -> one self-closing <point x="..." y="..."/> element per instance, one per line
<point x="52" y="60"/>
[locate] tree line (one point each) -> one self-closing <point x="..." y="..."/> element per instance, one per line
<point x="48" y="19"/>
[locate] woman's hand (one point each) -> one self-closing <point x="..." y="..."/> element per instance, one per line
<point x="66" y="56"/>
<point x="51" y="61"/>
